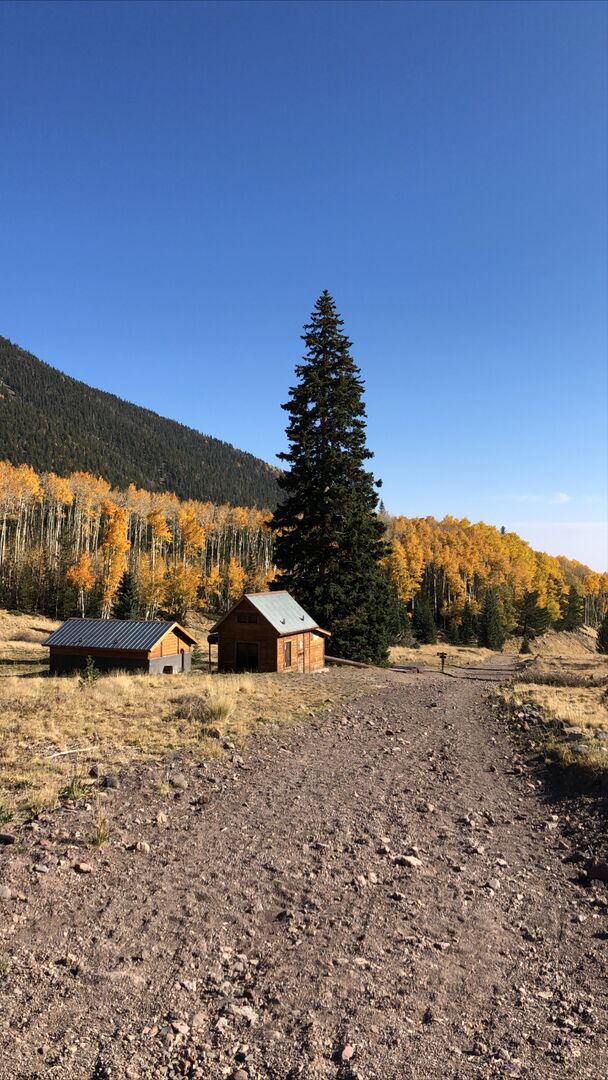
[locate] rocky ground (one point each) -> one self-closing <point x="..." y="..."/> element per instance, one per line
<point x="385" y="892"/>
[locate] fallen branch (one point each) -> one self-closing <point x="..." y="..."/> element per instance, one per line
<point x="62" y="753"/>
<point x="375" y="667"/>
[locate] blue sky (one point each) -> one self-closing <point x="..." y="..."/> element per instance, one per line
<point x="178" y="182"/>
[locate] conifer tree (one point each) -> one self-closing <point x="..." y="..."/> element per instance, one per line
<point x="602" y="636"/>
<point x="330" y="542"/>
<point x="423" y="623"/>
<point x="532" y="618"/>
<point x="468" y="627"/>
<point x="492" y="631"/>
<point x="126" y="605"/>
<point x="574" y="610"/>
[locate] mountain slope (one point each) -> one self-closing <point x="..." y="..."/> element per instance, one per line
<point x="54" y="422"/>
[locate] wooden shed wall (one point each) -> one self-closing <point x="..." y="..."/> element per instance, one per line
<point x="171" y="644"/>
<point x="260" y="632"/>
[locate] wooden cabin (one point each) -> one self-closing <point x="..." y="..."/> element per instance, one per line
<point x="268" y="632"/>
<point x="120" y="644"/>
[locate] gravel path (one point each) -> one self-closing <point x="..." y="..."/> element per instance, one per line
<point x="380" y="893"/>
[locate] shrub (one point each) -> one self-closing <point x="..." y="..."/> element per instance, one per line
<point x="214" y="707"/>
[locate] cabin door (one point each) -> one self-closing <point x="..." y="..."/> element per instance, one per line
<point x="247" y="656"/>
<point x="300" y="654"/>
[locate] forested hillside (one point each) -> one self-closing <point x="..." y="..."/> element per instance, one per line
<point x="51" y="421"/>
<point x="66" y="542"/>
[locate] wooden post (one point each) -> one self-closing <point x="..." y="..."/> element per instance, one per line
<point x="443" y="657"/>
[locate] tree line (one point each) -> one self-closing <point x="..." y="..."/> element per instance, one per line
<point x="67" y="542"/>
<point x="76" y="544"/>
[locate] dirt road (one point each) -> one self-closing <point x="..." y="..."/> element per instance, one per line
<point x="380" y="893"/>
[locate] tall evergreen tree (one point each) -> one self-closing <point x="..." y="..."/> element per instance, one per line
<point x="468" y="626"/>
<point x="423" y="623"/>
<point x="574" y="610"/>
<point x="532" y="619"/>
<point x="329" y="540"/>
<point x="602" y="636"/>
<point x="126" y="605"/>
<point x="492" y="629"/>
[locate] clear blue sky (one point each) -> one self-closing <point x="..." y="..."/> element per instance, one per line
<point x="178" y="182"/>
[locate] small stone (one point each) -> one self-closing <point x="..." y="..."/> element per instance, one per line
<point x="178" y="781"/>
<point x="199" y="1020"/>
<point x="397" y="896"/>
<point x="143" y="846"/>
<point x="240" y="1074"/>
<point x="6" y="838"/>
<point x="83" y="868"/>
<point x="348" y="1052"/>
<point x="494" y="884"/>
<point x="110" y="781"/>
<point x="180" y="1028"/>
<point x="40" y="868"/>
<point x="5" y="892"/>
<point x="408" y="860"/>
<point x="161" y="818"/>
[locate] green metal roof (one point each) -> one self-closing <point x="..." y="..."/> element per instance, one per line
<point x="282" y="612"/>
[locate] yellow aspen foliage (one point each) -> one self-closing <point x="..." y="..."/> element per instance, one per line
<point x="113" y="554"/>
<point x="193" y="533"/>
<point x="235" y="580"/>
<point x="82" y="575"/>
<point x="213" y="587"/>
<point x="152" y="584"/>
<point x="182" y="584"/>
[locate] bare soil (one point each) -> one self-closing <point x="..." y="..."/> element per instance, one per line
<point x="382" y="892"/>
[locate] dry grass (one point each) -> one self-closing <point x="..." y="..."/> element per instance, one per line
<point x="122" y="718"/>
<point x="426" y="656"/>
<point x="21" y="637"/>
<point x="568" y="680"/>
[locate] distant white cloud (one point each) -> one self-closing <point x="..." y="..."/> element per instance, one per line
<point x="556" y="499"/>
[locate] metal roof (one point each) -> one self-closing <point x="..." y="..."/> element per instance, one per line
<point x="138" y="635"/>
<point x="282" y="612"/>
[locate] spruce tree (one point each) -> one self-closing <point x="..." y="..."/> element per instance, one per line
<point x="126" y="605"/>
<point x="602" y="636"/>
<point x="532" y="619"/>
<point x="574" y="610"/>
<point x="423" y="623"/>
<point x="468" y="626"/>
<point x="492" y="631"/>
<point x="330" y="542"/>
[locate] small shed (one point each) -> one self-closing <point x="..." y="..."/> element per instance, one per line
<point x="268" y="632"/>
<point x="120" y="644"/>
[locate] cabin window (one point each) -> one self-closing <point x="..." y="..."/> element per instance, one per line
<point x="241" y="618"/>
<point x="244" y="618"/>
<point x="287" y="653"/>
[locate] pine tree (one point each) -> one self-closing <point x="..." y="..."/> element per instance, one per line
<point x="126" y="605"/>
<point x="574" y="610"/>
<point x="330" y="542"/>
<point x="602" y="636"/>
<point x="423" y="623"/>
<point x="492" y="632"/>
<point x="532" y="618"/>
<point x="468" y="627"/>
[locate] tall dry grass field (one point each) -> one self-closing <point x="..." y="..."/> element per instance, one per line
<point x="120" y="718"/>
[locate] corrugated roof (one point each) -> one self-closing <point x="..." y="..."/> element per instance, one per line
<point x="138" y="635"/>
<point x="282" y="611"/>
